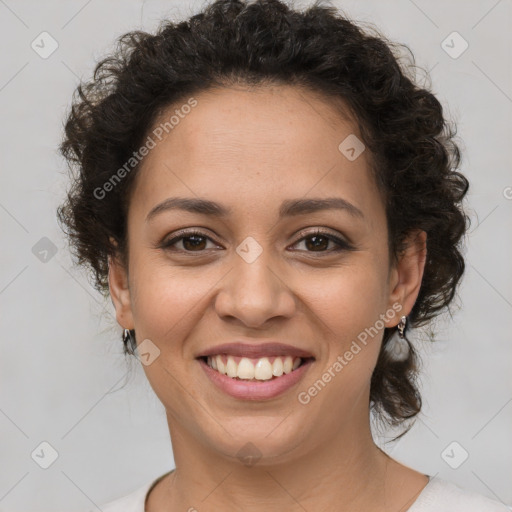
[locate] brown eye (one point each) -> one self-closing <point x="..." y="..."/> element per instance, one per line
<point x="319" y="241"/>
<point x="194" y="241"/>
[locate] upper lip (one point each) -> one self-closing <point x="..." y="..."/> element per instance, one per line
<point x="256" y="350"/>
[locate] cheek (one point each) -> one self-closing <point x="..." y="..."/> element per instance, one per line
<point x="173" y="304"/>
<point x="168" y="308"/>
<point x="347" y="299"/>
<point x="169" y="303"/>
<point x="167" y="300"/>
<point x="349" y="304"/>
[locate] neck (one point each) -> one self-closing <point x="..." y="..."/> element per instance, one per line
<point x="349" y="473"/>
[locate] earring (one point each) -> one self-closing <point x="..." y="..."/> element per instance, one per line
<point x="129" y="341"/>
<point x="398" y="347"/>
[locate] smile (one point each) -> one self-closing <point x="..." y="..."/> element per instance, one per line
<point x="254" y="379"/>
<point x="262" y="369"/>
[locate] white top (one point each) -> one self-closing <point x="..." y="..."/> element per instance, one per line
<point x="439" y="495"/>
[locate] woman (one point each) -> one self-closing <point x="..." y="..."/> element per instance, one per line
<point x="271" y="203"/>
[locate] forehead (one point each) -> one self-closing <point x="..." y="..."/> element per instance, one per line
<point x="281" y="120"/>
<point x="254" y="146"/>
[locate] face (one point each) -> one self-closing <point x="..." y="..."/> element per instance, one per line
<point x="264" y="264"/>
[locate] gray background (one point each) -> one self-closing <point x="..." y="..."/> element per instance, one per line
<point x="63" y="378"/>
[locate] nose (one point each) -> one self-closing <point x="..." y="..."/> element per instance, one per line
<point x="254" y="292"/>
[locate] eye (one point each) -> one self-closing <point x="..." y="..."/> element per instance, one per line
<point x="192" y="241"/>
<point x="315" y="241"/>
<point x="318" y="241"/>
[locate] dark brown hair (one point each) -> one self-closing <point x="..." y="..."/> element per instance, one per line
<point x="414" y="156"/>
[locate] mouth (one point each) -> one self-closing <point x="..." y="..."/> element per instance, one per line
<point x="254" y="369"/>
<point x="255" y="372"/>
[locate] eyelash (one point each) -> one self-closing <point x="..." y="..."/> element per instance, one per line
<point x="343" y="245"/>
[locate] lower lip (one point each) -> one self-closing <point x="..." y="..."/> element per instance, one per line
<point x="254" y="390"/>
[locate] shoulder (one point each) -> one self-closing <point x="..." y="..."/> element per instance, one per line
<point x="440" y="495"/>
<point x="133" y="502"/>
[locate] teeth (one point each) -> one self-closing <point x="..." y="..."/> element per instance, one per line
<point x="221" y="367"/>
<point x="277" y="367"/>
<point x="247" y="370"/>
<point x="231" y="368"/>
<point x="263" y="369"/>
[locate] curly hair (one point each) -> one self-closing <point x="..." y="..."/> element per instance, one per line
<point x="414" y="156"/>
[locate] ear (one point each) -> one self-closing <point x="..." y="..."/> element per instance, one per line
<point x="120" y="292"/>
<point x="406" y="275"/>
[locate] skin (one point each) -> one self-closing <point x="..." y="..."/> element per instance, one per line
<point x="250" y="149"/>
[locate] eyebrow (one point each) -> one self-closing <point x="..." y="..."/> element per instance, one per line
<point x="289" y="207"/>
